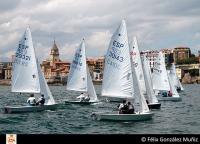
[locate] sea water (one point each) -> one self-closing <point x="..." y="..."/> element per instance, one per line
<point x="173" y="117"/>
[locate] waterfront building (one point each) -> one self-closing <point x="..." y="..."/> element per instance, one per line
<point x="96" y="66"/>
<point x="181" y="53"/>
<point x="54" y="69"/>
<point x="6" y="70"/>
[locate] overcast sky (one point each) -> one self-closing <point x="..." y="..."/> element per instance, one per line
<point x="156" y="23"/>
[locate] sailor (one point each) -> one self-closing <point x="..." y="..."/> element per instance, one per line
<point x="164" y="94"/>
<point x="130" y="108"/>
<point x="87" y="98"/>
<point x="178" y="89"/>
<point x="84" y="97"/>
<point x="31" y="100"/>
<point x="122" y="107"/>
<point x="41" y="101"/>
<point x="170" y="94"/>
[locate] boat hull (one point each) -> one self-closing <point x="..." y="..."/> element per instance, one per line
<point x="78" y="102"/>
<point x="23" y="109"/>
<point x="176" y="99"/>
<point x="154" y="105"/>
<point x="116" y="99"/>
<point x="122" y="117"/>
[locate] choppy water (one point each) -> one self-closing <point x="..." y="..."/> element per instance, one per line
<point x="173" y="117"/>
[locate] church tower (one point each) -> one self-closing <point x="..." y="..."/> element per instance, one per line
<point x="54" y="55"/>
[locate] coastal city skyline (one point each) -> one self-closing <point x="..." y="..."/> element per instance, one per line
<point x="166" y="25"/>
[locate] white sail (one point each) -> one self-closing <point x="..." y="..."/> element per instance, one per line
<point x="174" y="77"/>
<point x="77" y="78"/>
<point x="138" y="64"/>
<point x="147" y="75"/>
<point x="25" y="77"/>
<point x="91" y="90"/>
<point x="159" y="75"/>
<point x="172" y="86"/>
<point x="117" y="79"/>
<point x="139" y="99"/>
<point x="49" y="100"/>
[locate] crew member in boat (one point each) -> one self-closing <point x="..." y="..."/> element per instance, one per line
<point x="31" y="100"/>
<point x="164" y="94"/>
<point x="170" y="94"/>
<point x="131" y="109"/>
<point x="178" y="89"/>
<point x="41" y="101"/>
<point x="84" y="97"/>
<point x="123" y="107"/>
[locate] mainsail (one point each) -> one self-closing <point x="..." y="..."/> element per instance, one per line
<point x="159" y="76"/>
<point x="77" y="78"/>
<point x="117" y="79"/>
<point x="174" y="77"/>
<point x="25" y="77"/>
<point x="138" y="64"/>
<point x="147" y="75"/>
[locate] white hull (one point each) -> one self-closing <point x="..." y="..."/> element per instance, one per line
<point x="169" y="99"/>
<point x="122" y="117"/>
<point x="117" y="99"/>
<point x="78" y="102"/>
<point x="23" y="109"/>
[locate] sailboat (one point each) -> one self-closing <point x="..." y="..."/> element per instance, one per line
<point x="120" y="80"/>
<point x="27" y="77"/>
<point x="79" y="78"/>
<point x="162" y="81"/>
<point x="159" y="76"/>
<point x="143" y="75"/>
<point x="175" y="78"/>
<point x="151" y="97"/>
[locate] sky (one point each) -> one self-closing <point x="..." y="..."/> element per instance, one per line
<point x="157" y="24"/>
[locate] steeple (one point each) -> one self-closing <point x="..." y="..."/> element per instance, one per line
<point x="54" y="55"/>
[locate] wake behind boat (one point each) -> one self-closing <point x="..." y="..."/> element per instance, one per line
<point x="118" y="79"/>
<point x="79" y="79"/>
<point x="28" y="78"/>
